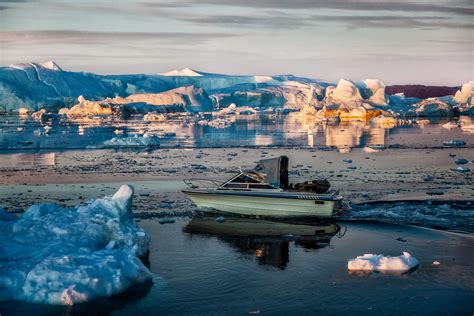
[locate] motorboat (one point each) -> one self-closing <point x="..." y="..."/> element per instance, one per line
<point x="265" y="191"/>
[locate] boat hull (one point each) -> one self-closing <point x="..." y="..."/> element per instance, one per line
<point x="263" y="205"/>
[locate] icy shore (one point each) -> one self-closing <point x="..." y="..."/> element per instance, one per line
<point x="65" y="256"/>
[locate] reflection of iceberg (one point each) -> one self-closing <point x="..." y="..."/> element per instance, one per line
<point x="26" y="159"/>
<point x="344" y="136"/>
<point x="354" y="134"/>
<point x="267" y="240"/>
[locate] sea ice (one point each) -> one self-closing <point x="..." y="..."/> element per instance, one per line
<point x="371" y="262"/>
<point x="134" y="141"/>
<point x="64" y="256"/>
<point x="454" y="142"/>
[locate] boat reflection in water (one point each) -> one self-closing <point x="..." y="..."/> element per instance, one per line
<point x="267" y="240"/>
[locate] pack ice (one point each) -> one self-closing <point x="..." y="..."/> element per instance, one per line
<point x="371" y="262"/>
<point x="64" y="256"/>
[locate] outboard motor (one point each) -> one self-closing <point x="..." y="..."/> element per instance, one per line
<point x="318" y="186"/>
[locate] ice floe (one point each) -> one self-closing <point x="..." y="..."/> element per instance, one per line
<point x="371" y="262"/>
<point x="454" y="143"/>
<point x="134" y="141"/>
<point x="64" y="256"/>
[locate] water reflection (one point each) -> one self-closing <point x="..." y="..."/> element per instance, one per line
<point x="28" y="160"/>
<point x="245" y="130"/>
<point x="267" y="241"/>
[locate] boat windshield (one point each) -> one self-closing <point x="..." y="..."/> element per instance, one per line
<point x="247" y="181"/>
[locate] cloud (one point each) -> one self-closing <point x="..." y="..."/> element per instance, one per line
<point x="275" y="20"/>
<point x="278" y="20"/>
<point x="353" y="5"/>
<point x="85" y="37"/>
<point x="394" y="21"/>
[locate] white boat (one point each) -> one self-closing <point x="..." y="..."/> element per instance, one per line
<point x="265" y="191"/>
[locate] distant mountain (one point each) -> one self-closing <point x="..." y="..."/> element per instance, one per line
<point x="420" y="91"/>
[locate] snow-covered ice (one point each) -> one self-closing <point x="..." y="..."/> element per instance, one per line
<point x="64" y="256"/>
<point x="371" y="262"/>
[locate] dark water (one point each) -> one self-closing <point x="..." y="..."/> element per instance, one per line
<point x="257" y="267"/>
<point x="19" y="134"/>
<point x="446" y="215"/>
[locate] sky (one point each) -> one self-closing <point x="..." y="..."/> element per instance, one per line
<point x="398" y="41"/>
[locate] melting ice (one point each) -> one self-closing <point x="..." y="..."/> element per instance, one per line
<point x="56" y="255"/>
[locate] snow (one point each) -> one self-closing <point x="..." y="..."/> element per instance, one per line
<point x="371" y="262"/>
<point x="134" y="141"/>
<point x="186" y="72"/>
<point x="51" y="65"/>
<point x="65" y="256"/>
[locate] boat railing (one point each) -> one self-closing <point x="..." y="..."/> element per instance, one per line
<point x="195" y="183"/>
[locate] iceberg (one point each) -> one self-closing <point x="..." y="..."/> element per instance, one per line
<point x="376" y="90"/>
<point x="186" y="72"/>
<point x="465" y="94"/>
<point x="65" y="256"/>
<point x="371" y="262"/>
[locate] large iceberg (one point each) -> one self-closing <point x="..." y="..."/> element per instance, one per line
<point x="45" y="85"/>
<point x="191" y="99"/>
<point x="64" y="256"/>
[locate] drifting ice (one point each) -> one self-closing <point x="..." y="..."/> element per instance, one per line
<point x="134" y="141"/>
<point x="65" y="256"/>
<point x="370" y="262"/>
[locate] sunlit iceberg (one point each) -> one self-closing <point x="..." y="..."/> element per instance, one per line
<point x="64" y="256"/>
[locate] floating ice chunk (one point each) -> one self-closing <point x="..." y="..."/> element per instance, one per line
<point x="370" y="262"/>
<point x="23" y="111"/>
<point x="166" y="220"/>
<point x="64" y="256"/>
<point x="461" y="169"/>
<point x="370" y="150"/>
<point x="134" y="141"/>
<point x="454" y="142"/>
<point x="220" y="219"/>
<point x="450" y="125"/>
<point x="461" y="161"/>
<point x="427" y="178"/>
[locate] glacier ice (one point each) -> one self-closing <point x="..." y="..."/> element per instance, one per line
<point x="34" y="86"/>
<point x="65" y="256"/>
<point x="465" y="94"/>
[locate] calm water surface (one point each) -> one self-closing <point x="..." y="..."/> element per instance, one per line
<point x="257" y="267"/>
<point x="17" y="134"/>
